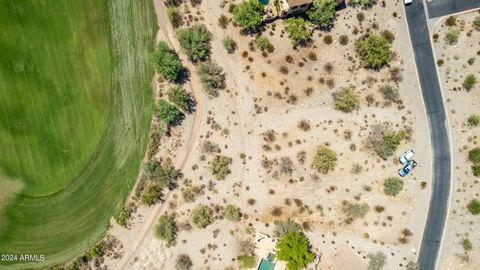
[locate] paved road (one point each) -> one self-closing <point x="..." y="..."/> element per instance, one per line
<point x="437" y="8"/>
<point x="432" y="96"/>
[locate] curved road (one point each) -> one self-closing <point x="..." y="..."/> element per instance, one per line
<point x="432" y="97"/>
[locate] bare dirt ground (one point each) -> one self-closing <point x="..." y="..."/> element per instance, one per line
<point x="260" y="98"/>
<point x="460" y="105"/>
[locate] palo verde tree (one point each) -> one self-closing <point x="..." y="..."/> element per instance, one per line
<point x="180" y="97"/>
<point x="249" y="14"/>
<point x="322" y="13"/>
<point x="298" y="30"/>
<point x="294" y="248"/>
<point x="374" y="50"/>
<point x="195" y="42"/>
<point x="166" y="229"/>
<point x="166" y="62"/>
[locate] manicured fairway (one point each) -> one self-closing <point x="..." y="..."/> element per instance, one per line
<point x="75" y="106"/>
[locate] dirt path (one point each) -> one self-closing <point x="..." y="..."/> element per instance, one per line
<point x="166" y="33"/>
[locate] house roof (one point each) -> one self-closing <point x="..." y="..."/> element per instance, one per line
<point x="294" y="3"/>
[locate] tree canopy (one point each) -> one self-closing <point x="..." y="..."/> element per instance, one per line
<point x="202" y="216"/>
<point x="346" y="100"/>
<point x="322" y="12"/>
<point x="374" y="50"/>
<point x="220" y="167"/>
<point x="195" y="42"/>
<point x="166" y="229"/>
<point x="168" y="113"/>
<point x="212" y="77"/>
<point x="166" y="62"/>
<point x="249" y="14"/>
<point x="325" y="159"/>
<point x="180" y="97"/>
<point x="294" y="248"/>
<point x="298" y="30"/>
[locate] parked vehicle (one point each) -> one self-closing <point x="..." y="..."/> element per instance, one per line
<point x="407" y="2"/>
<point x="407" y="156"/>
<point x="408" y="168"/>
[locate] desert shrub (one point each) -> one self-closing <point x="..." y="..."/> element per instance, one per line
<point x="195" y="42"/>
<point x="471" y="61"/>
<point x="152" y="194"/>
<point x="452" y="36"/>
<point x="231" y="212"/>
<point x="328" y="67"/>
<point x="166" y="62"/>
<point x="392" y="186"/>
<point x="374" y="50"/>
<point x="312" y="56"/>
<point x="166" y="229"/>
<point x="283" y="70"/>
<point x="322" y="13"/>
<point x="325" y="160"/>
<point x="262" y="43"/>
<point x="467" y="245"/>
<point x="174" y="16"/>
<point x="412" y="266"/>
<point x="180" y="97"/>
<point x="202" y="216"/>
<point x="229" y="44"/>
<point x="163" y="174"/>
<point x="376" y="261"/>
<point x="473" y="120"/>
<point x="283" y="227"/>
<point x="360" y="16"/>
<point x="248" y="14"/>
<point x="343" y="39"/>
<point x="285" y="165"/>
<point x="346" y="100"/>
<point x="173" y="2"/>
<point x="440" y="62"/>
<point x="220" y="167"/>
<point x="388" y="35"/>
<point x="476" y="23"/>
<point x="451" y="21"/>
<point x="476" y="170"/>
<point x="388" y="143"/>
<point x="469" y="82"/>
<point x="474" y="155"/>
<point x="364" y="3"/>
<point x="328" y="39"/>
<point x="298" y="30"/>
<point x="474" y="207"/>
<point x="390" y="93"/>
<point x="304" y="125"/>
<point x="355" y="210"/>
<point x="209" y="147"/>
<point x="294" y="249"/>
<point x="212" y="77"/>
<point x="396" y="74"/>
<point x="223" y="21"/>
<point x="183" y="262"/>
<point x="125" y="214"/>
<point x="247" y="261"/>
<point x="167" y="113"/>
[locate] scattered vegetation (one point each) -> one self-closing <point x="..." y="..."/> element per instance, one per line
<point x="125" y="214"/>
<point x="223" y="21"/>
<point x="328" y="39"/>
<point x="212" y="77"/>
<point x="392" y="186"/>
<point x="476" y="23"/>
<point x="249" y="14"/>
<point x="165" y="61"/>
<point x="451" y="21"/>
<point x="152" y="194"/>
<point x="166" y="229"/>
<point x="388" y="143"/>
<point x="231" y="212"/>
<point x="469" y="82"/>
<point x="283" y="227"/>
<point x="473" y="120"/>
<point x="167" y="113"/>
<point x="346" y="100"/>
<point x="220" y="167"/>
<point x="390" y="93"/>
<point x="467" y="245"/>
<point x="195" y="42"/>
<point x="174" y="16"/>
<point x="364" y="3"/>
<point x="294" y="248"/>
<point x="325" y="160"/>
<point x="298" y="30"/>
<point x="229" y="44"/>
<point x="412" y="266"/>
<point x="377" y="261"/>
<point x="262" y="43"/>
<point x="355" y="210"/>
<point x="374" y="50"/>
<point x="452" y="36"/>
<point x="322" y="13"/>
<point x="180" y="97"/>
<point x="202" y="216"/>
<point x="184" y="262"/>
<point x="474" y="207"/>
<point x="247" y="261"/>
<point x="388" y="35"/>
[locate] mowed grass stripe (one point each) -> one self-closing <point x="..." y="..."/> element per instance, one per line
<point x="63" y="224"/>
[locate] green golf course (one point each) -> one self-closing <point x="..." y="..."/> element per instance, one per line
<point x="75" y="109"/>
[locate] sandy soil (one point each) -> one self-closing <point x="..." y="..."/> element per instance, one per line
<point x="260" y="98"/>
<point x="460" y="105"/>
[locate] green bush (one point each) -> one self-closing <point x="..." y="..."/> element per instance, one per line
<point x="413" y="266"/>
<point x="212" y="77"/>
<point x="473" y="120"/>
<point x="223" y="21"/>
<point x="247" y="261"/>
<point x="220" y="167"/>
<point x="168" y="113"/>
<point x="476" y="170"/>
<point x="377" y="261"/>
<point x="451" y="21"/>
<point x="294" y="249"/>
<point x="249" y="14"/>
<point x="180" y="97"/>
<point x="469" y="82"/>
<point x="184" y="262"/>
<point x="474" y="207"/>
<point x="364" y="3"/>
<point x="195" y="42"/>
<point x="392" y="186"/>
<point x="474" y="155"/>
<point x="452" y="36"/>
<point x="262" y="43"/>
<point x="322" y="13"/>
<point x="125" y="214"/>
<point x="390" y="93"/>
<point x="283" y="227"/>
<point x="174" y="16"/>
<point x="467" y="245"/>
<point x="374" y="50"/>
<point x="231" y="212"/>
<point x="346" y="100"/>
<point x="355" y="210"/>
<point x="152" y="194"/>
<point x="325" y="160"/>
<point x="202" y="216"/>
<point x="388" y="144"/>
<point x="476" y="23"/>
<point x="229" y="44"/>
<point x="166" y="62"/>
<point x="166" y="229"/>
<point x="298" y="30"/>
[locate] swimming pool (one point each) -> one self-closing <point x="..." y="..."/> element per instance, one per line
<point x="266" y="265"/>
<point x="263" y="2"/>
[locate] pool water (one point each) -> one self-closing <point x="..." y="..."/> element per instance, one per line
<point x="263" y="2"/>
<point x="266" y="265"/>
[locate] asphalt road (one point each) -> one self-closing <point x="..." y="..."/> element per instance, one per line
<point x="432" y="96"/>
<point x="437" y="8"/>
